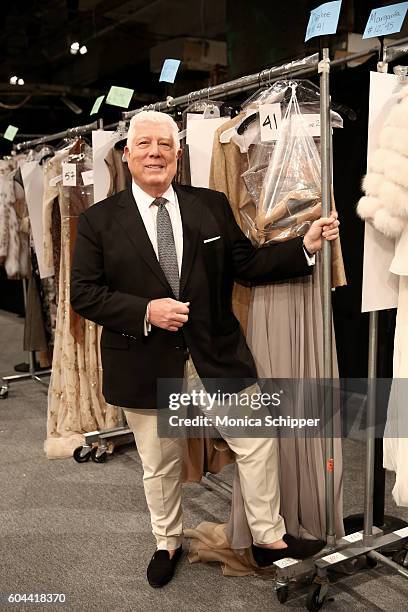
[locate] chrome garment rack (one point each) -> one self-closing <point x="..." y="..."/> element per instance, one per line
<point x="361" y="545"/>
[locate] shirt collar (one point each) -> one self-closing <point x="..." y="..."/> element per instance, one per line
<point x="145" y="200"/>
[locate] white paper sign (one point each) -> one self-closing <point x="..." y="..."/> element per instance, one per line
<point x="200" y="137"/>
<point x="402" y="533"/>
<point x="380" y="286"/>
<point x="334" y="558"/>
<point x="33" y="180"/>
<point x="353" y="537"/>
<point x="87" y="177"/>
<point x="102" y="142"/>
<point x="69" y="174"/>
<point x="270" y="119"/>
<point x="313" y="124"/>
<point x="286" y="562"/>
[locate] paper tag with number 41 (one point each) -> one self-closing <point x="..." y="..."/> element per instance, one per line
<point x="270" y="118"/>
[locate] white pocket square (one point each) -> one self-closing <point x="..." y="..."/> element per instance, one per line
<point x="211" y="239"/>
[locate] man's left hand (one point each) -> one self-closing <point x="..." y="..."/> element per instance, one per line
<point x="326" y="228"/>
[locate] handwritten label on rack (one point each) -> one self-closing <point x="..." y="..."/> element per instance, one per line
<point x="402" y="533"/>
<point x="286" y="562"/>
<point x="69" y="174"/>
<point x="270" y="118"/>
<point x="87" y="177"/>
<point x="353" y="537"/>
<point x="169" y="70"/>
<point x="323" y="20"/>
<point x="10" y="132"/>
<point x="334" y="558"/>
<point x="97" y="105"/>
<point x="386" y="20"/>
<point x="312" y="122"/>
<point x="119" y="96"/>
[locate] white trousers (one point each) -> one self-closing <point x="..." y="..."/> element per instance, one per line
<point x="162" y="458"/>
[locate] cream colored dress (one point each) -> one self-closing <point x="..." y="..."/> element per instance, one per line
<point x="75" y="401"/>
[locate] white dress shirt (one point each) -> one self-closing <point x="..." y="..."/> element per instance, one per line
<point x="148" y="212"/>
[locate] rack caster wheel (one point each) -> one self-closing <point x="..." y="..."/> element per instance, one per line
<point x="98" y="456"/>
<point x="282" y="594"/>
<point x="4" y="391"/>
<point x="82" y="454"/>
<point x="401" y="557"/>
<point x="317" y="596"/>
<point x="365" y="562"/>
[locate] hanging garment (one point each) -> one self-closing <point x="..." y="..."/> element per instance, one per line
<point x="9" y="225"/>
<point x="120" y="177"/>
<point x="203" y="454"/>
<point x="385" y="205"/>
<point x="75" y="401"/>
<point x="285" y="335"/>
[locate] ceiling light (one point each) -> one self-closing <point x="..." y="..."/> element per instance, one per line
<point x="83" y="50"/>
<point x="74" y="48"/>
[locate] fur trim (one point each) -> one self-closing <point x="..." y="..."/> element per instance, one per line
<point x="367" y="207"/>
<point x="12" y="263"/>
<point x="396" y="169"/>
<point x="403" y="93"/>
<point x="387" y="224"/>
<point x="395" y="139"/>
<point x="377" y="160"/>
<point x="395" y="198"/>
<point x="371" y="183"/>
<point x="398" y="116"/>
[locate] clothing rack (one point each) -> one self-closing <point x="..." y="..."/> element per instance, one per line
<point x="297" y="68"/>
<point x="364" y="545"/>
<point x="70" y="133"/>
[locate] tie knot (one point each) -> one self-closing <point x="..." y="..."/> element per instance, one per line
<point x="159" y="202"/>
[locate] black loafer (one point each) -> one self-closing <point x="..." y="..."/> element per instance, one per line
<point x="161" y="568"/>
<point x="296" y="549"/>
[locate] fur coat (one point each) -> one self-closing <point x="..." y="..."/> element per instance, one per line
<point x="385" y="203"/>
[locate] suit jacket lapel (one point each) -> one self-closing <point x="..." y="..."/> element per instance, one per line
<point x="191" y="212"/>
<point x="129" y="217"/>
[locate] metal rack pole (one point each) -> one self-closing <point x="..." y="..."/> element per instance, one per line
<point x="71" y="132"/>
<point x="326" y="178"/>
<point x="6" y="381"/>
<point x="370" y="433"/>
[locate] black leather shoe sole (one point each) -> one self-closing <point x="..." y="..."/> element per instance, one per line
<point x="161" y="568"/>
<point x="296" y="549"/>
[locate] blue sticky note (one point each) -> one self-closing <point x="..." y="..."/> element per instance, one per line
<point x="169" y="70"/>
<point x="386" y="20"/>
<point x="323" y="20"/>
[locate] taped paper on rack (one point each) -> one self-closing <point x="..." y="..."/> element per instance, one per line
<point x="200" y="137"/>
<point x="33" y="180"/>
<point x="380" y="286"/>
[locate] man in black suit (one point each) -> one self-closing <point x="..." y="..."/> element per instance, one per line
<point x="155" y="266"/>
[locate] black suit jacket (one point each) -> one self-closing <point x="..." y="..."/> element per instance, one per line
<point x="115" y="273"/>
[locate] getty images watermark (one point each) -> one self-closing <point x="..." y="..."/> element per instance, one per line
<point x="281" y="407"/>
<point x="217" y="409"/>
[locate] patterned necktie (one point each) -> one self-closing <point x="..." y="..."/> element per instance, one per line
<point x="166" y="246"/>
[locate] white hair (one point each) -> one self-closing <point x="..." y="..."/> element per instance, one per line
<point x="156" y="117"/>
